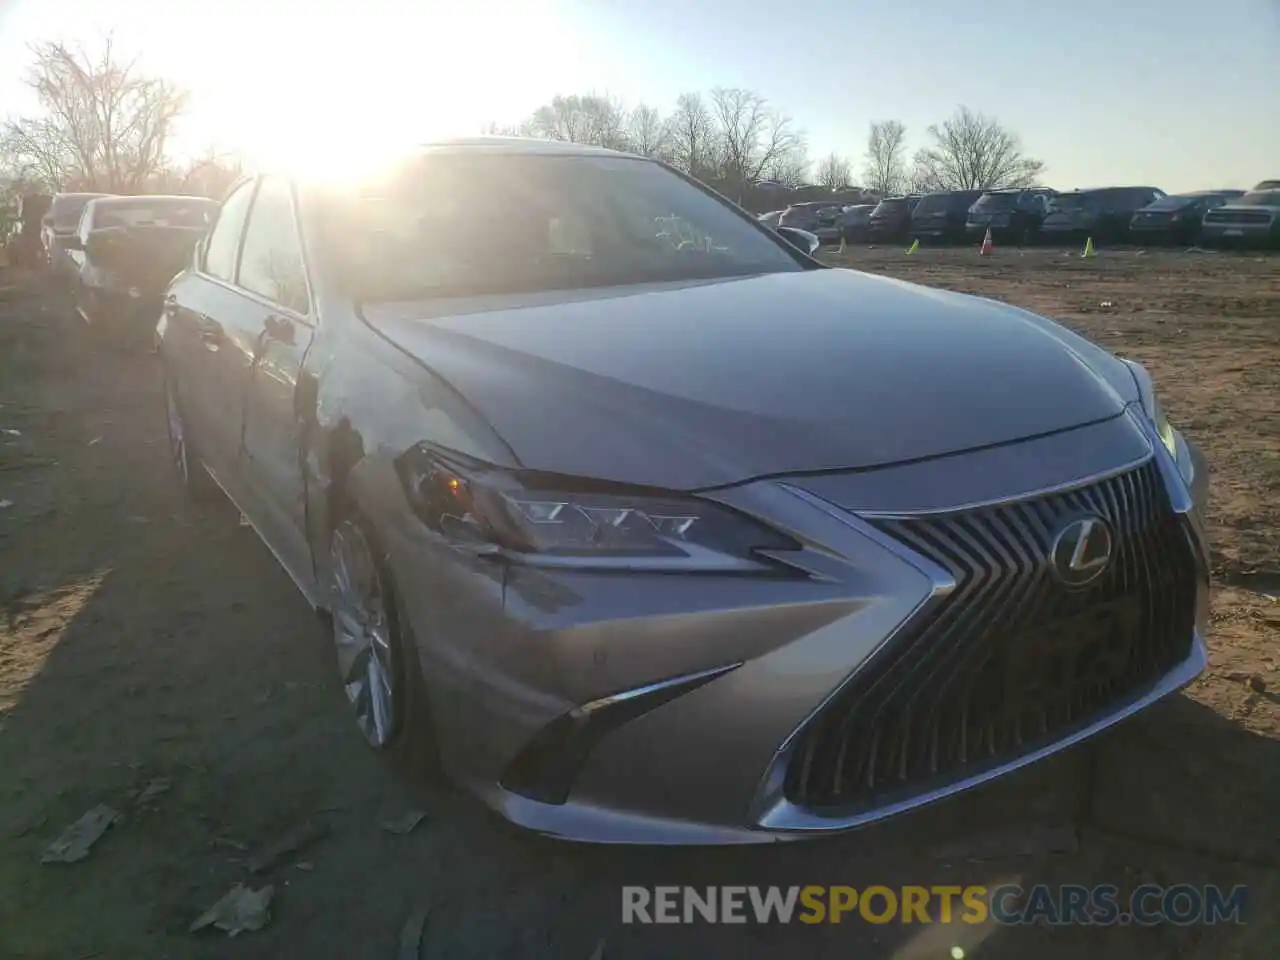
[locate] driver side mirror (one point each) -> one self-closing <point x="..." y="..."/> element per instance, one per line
<point x="804" y="241"/>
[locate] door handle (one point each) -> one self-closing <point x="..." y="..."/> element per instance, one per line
<point x="279" y="328"/>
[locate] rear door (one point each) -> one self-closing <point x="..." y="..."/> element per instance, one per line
<point x="273" y="278"/>
<point x="210" y="337"/>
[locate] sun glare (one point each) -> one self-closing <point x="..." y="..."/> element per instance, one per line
<point x="364" y="82"/>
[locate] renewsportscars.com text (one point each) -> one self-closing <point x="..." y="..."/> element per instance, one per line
<point x="1067" y="904"/>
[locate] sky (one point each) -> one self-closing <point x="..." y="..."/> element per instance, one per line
<point x="1174" y="94"/>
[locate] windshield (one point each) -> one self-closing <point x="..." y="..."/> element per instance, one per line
<point x="1074" y="201"/>
<point x="153" y="213"/>
<point x="472" y="224"/>
<point x="890" y="207"/>
<point x="66" y="209"/>
<point x="1258" y="198"/>
<point x="1172" y="203"/>
<point x="934" y="203"/>
<point x="992" y="202"/>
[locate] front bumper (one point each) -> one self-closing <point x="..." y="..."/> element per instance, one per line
<point x="757" y="665"/>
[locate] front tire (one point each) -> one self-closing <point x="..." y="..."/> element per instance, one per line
<point x="378" y="661"/>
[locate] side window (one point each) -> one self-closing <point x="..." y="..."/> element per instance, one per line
<point x="271" y="262"/>
<point x="86" y="222"/>
<point x="224" y="239"/>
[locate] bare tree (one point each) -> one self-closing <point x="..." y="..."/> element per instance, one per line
<point x="648" y="133"/>
<point x="834" y="172"/>
<point x="692" y="133"/>
<point x="752" y="135"/>
<point x="972" y="151"/>
<point x="211" y="174"/>
<point x="581" y="118"/>
<point x="885" y="171"/>
<point x="922" y="175"/>
<point x="790" y="170"/>
<point x="104" y="124"/>
<point x="525" y="128"/>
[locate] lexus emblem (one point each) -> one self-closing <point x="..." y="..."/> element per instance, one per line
<point x="1081" y="551"/>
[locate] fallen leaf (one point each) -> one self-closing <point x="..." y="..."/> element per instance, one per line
<point x="73" y="846"/>
<point x="155" y="788"/>
<point x="240" y="909"/>
<point x="406" y="823"/>
<point x="291" y="842"/>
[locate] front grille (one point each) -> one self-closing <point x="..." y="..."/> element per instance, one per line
<point x="1011" y="659"/>
<point x="1237" y="216"/>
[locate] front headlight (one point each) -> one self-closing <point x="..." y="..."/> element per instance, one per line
<point x="558" y="521"/>
<point x="1169" y="437"/>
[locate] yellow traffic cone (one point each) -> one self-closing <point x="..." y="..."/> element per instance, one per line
<point x="1088" y="248"/>
<point x="915" y="245"/>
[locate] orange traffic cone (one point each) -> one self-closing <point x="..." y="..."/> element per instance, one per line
<point x="986" y="244"/>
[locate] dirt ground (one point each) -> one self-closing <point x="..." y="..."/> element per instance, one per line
<point x="141" y="640"/>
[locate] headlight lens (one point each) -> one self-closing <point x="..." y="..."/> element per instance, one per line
<point x="556" y="525"/>
<point x="1170" y="437"/>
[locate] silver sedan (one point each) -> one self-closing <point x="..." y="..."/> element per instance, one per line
<point x="695" y="540"/>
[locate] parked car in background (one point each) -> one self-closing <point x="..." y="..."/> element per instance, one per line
<point x="1266" y="185"/>
<point x="855" y="223"/>
<point x="1250" y="220"/>
<point x="1176" y="219"/>
<point x="819" y="217"/>
<point x="690" y="544"/>
<point x="940" y="217"/>
<point x="1102" y="214"/>
<point x="24" y="244"/>
<point x="890" y="221"/>
<point x="127" y="249"/>
<point x="1013" y="215"/>
<point x="59" y="225"/>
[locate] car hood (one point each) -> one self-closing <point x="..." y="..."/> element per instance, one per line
<point x="707" y="383"/>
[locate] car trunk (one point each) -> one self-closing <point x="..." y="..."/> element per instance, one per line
<point x="142" y="257"/>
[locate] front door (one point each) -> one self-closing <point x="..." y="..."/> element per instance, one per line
<point x="210" y="339"/>
<point x="273" y="276"/>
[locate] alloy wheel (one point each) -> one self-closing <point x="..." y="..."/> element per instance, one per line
<point x="362" y="634"/>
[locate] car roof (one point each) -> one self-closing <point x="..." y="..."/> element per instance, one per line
<point x="1101" y="189"/>
<point x="108" y="200"/>
<point x="519" y="145"/>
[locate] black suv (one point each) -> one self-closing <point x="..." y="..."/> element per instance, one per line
<point x="940" y="217"/>
<point x="1102" y="214"/>
<point x="1176" y="219"/>
<point x="891" y="219"/>
<point x="1011" y="215"/>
